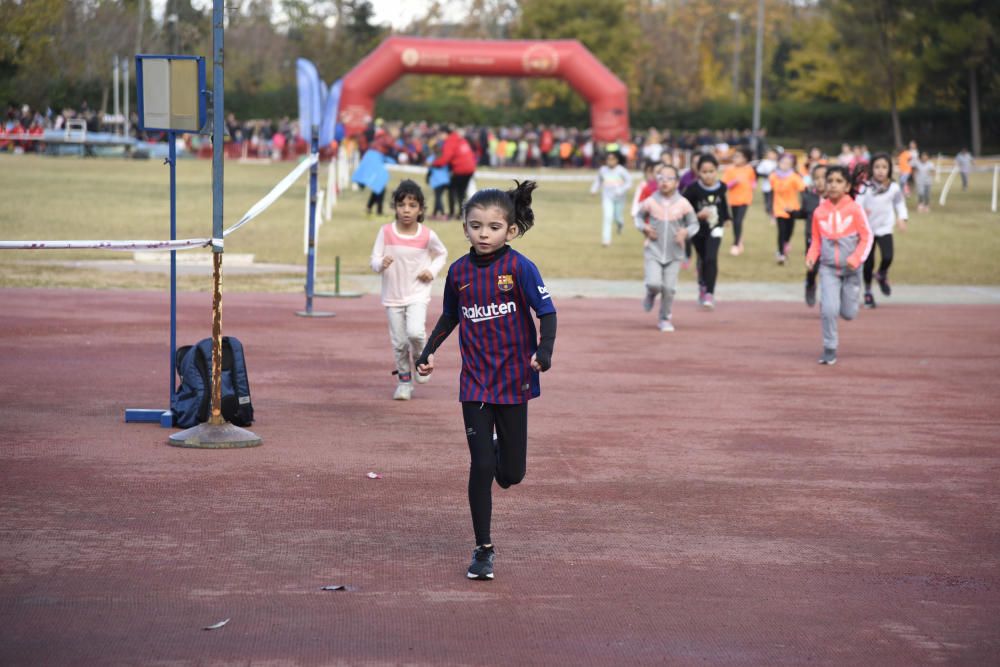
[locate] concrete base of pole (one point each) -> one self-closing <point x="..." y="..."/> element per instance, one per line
<point x="339" y="295"/>
<point x="212" y="436"/>
<point x="314" y="313"/>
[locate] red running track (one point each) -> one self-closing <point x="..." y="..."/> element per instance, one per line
<point x="705" y="497"/>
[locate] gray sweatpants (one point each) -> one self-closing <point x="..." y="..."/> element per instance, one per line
<point x="840" y="293"/>
<point x="662" y="279"/>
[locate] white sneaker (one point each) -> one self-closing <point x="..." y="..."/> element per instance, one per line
<point x="666" y="326"/>
<point x="421" y="379"/>
<point x="404" y="390"/>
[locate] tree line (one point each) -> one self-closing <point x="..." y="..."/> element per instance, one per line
<point x="888" y="67"/>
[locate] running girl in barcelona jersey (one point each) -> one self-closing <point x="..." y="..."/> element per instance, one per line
<point x="489" y="294"/>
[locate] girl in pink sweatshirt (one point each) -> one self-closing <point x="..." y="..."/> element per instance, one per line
<point x="841" y="240"/>
<point x="409" y="256"/>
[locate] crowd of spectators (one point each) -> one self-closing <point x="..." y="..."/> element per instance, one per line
<point x="526" y="145"/>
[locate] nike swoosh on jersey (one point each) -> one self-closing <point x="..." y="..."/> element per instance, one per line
<point x="462" y="287"/>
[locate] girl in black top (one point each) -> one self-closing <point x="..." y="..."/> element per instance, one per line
<point x="708" y="197"/>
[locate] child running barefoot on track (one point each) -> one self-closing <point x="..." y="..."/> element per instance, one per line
<point x="841" y="241"/>
<point x="408" y="255"/>
<point x="613" y="182"/>
<point x="488" y="294"/>
<point x="667" y="220"/>
<point x="885" y="205"/>
<point x="708" y="197"/>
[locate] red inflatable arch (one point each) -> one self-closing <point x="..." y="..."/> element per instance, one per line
<point x="566" y="59"/>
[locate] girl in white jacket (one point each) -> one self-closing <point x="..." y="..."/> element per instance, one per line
<point x="885" y="205"/>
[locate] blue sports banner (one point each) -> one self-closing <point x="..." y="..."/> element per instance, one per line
<point x="310" y="97"/>
<point x="330" y="111"/>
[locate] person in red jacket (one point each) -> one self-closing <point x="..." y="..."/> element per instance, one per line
<point x="841" y="241"/>
<point x="457" y="155"/>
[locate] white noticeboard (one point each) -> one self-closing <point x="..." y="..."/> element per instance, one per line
<point x="170" y="93"/>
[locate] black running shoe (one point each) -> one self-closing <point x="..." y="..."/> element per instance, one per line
<point x="883" y="284"/>
<point x="811" y="294"/>
<point x="869" y="300"/>
<point x="482" y="563"/>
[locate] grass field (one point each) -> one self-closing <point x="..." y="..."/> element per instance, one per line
<point x="112" y="198"/>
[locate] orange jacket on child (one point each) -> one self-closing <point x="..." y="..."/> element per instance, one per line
<point x="840" y="234"/>
<point x="786" y="193"/>
<point x="740" y="181"/>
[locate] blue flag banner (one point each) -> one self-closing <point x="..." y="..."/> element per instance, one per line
<point x="307" y="79"/>
<point x="330" y="111"/>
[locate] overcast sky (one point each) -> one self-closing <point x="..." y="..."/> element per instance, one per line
<point x="395" y="12"/>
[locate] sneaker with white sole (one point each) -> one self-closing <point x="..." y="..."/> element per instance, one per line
<point x="708" y="303"/>
<point x="481" y="567"/>
<point x="666" y="326"/>
<point x="829" y="357"/>
<point x="404" y="391"/>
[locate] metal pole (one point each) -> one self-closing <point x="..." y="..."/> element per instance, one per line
<point x="758" y="69"/>
<point x="311" y="235"/>
<point x="125" y="74"/>
<point x="173" y="260"/>
<point x="218" y="154"/>
<point x="216" y="433"/>
<point x="737" y="48"/>
<point x="115" y="84"/>
<point x="311" y="262"/>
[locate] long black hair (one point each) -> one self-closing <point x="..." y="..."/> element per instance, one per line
<point x="515" y="204"/>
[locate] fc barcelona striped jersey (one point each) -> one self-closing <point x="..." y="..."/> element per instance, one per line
<point x="497" y="335"/>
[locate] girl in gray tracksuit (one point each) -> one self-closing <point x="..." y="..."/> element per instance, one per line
<point x="667" y="220"/>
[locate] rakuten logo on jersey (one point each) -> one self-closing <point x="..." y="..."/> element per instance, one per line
<point x="477" y="313"/>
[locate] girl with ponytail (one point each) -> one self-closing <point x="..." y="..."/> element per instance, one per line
<point x="489" y="294"/>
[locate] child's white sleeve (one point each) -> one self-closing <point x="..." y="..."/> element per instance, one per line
<point x="627" y="182"/>
<point x="899" y="201"/>
<point x="596" y="185"/>
<point x="439" y="254"/>
<point x="378" y="251"/>
<point x="637" y="212"/>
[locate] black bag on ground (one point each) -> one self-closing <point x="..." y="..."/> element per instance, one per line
<point x="193" y="399"/>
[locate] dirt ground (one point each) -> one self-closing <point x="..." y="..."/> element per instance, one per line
<point x="708" y="497"/>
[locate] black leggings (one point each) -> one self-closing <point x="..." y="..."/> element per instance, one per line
<point x="707" y="247"/>
<point x="884" y="244"/>
<point x="376" y="200"/>
<point x="457" y="187"/>
<point x="506" y="462"/>
<point x="439" y="200"/>
<point x="739" y="212"/>
<point x="786" y="226"/>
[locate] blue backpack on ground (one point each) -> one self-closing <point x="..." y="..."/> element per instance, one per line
<point x="193" y="399"/>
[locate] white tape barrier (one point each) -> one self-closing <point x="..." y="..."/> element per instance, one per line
<point x="947" y="186"/>
<point x="179" y="244"/>
<point x="996" y="174"/>
<point x="273" y="195"/>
